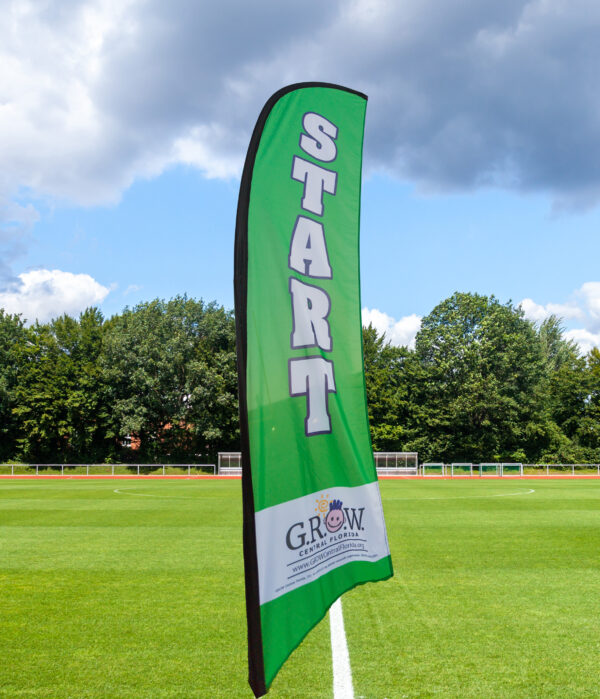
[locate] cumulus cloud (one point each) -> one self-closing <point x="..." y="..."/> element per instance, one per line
<point x="538" y="312"/>
<point x="583" y="306"/>
<point x="590" y="297"/>
<point x="399" y="332"/>
<point x="584" y="338"/>
<point x="97" y="93"/>
<point x="44" y="294"/>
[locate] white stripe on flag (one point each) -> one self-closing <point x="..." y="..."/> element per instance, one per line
<point x="296" y="547"/>
<point x="342" y="674"/>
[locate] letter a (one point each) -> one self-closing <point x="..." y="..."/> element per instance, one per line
<point x="308" y="251"/>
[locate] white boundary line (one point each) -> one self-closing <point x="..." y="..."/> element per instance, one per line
<point x="342" y="674"/>
<point x="472" y="497"/>
<point x="127" y="491"/>
<point x="124" y="492"/>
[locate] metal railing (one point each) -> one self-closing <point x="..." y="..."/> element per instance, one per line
<point x="506" y="469"/>
<point x="230" y="465"/>
<point x="108" y="469"/>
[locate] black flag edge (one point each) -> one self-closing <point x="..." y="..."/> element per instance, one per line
<point x="256" y="676"/>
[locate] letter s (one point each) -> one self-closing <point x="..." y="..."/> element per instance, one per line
<point x="320" y="141"/>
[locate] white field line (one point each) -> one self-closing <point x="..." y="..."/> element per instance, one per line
<point x="342" y="674"/>
<point x="472" y="497"/>
<point x="129" y="491"/>
<point x="126" y="492"/>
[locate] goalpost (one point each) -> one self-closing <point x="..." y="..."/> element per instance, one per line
<point x="460" y="469"/>
<point x="489" y="470"/>
<point x="511" y="470"/>
<point x="434" y="469"/>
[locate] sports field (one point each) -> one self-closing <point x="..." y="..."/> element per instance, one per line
<point x="135" y="589"/>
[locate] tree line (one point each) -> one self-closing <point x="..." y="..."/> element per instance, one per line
<point x="158" y="382"/>
<point x="159" y="377"/>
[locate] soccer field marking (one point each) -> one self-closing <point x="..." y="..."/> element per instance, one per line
<point x="128" y="491"/>
<point x="342" y="674"/>
<point x="470" y="497"/>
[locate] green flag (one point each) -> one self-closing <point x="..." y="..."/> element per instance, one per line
<point x="313" y="521"/>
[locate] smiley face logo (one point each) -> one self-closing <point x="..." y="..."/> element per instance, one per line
<point x="335" y="517"/>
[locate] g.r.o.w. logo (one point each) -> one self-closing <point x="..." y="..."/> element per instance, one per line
<point x="333" y="518"/>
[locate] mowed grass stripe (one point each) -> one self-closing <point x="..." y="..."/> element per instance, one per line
<point x="107" y="595"/>
<point x="140" y="593"/>
<point x="492" y="597"/>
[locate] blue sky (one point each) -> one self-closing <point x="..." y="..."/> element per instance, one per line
<point x="123" y="127"/>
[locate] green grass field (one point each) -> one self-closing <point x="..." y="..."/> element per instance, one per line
<point x="135" y="589"/>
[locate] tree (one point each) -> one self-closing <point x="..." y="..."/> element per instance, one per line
<point x="566" y="391"/>
<point x="389" y="376"/>
<point x="483" y="364"/>
<point x="170" y="371"/>
<point x="588" y="430"/>
<point x="61" y="406"/>
<point x="12" y="339"/>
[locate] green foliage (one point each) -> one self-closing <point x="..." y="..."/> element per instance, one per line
<point x="481" y="384"/>
<point x="170" y="373"/>
<point x="484" y="384"/>
<point x="162" y="374"/>
<point x="483" y="364"/>
<point x="12" y="337"/>
<point x="61" y="407"/>
<point x="387" y="369"/>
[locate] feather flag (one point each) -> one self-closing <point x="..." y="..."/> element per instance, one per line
<point x="313" y="520"/>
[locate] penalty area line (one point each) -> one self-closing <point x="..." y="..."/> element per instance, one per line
<point x="342" y="674"/>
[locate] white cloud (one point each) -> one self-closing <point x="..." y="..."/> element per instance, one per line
<point x="534" y="311"/>
<point x="590" y="294"/>
<point x="44" y="294"/>
<point x="202" y="148"/>
<point x="538" y="313"/>
<point x="584" y="338"/>
<point x="97" y="93"/>
<point x="583" y="306"/>
<point x="399" y="332"/>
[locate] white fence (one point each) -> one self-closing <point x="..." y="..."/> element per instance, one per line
<point x="107" y="469"/>
<point x="561" y="469"/>
<point x="387" y="463"/>
<point x="467" y="470"/>
<point x="506" y="470"/>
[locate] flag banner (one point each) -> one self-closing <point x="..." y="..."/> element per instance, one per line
<point x="313" y="520"/>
